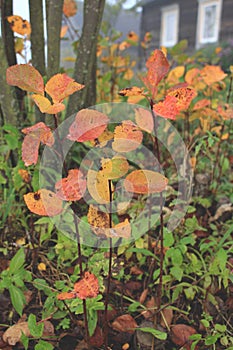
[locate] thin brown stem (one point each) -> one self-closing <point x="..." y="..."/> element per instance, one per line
<point x="109" y="269"/>
<point x="157" y="152"/>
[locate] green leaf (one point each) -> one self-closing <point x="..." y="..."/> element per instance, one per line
<point x="220" y="327"/>
<point x="24" y="340"/>
<point x="36" y="330"/>
<point x="44" y="345"/>
<point x="177" y="272"/>
<point x="211" y="339"/>
<point x="92" y="321"/>
<point x="12" y="141"/>
<point x="157" y="334"/>
<point x="17" y="261"/>
<point x="17" y="298"/>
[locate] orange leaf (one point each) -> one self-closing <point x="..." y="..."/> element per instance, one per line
<point x="45" y="105"/>
<point x="132" y="37"/>
<point x="72" y="187"/>
<point x="26" y="78"/>
<point x="184" y="96"/>
<point x="25" y="175"/>
<point x="167" y="108"/>
<point x="212" y="74"/>
<point x="123" y="230"/>
<point x="61" y="86"/>
<point x="87" y="287"/>
<point x="158" y="66"/>
<point x="124" y="323"/>
<point x="34" y="135"/>
<point x="114" y="168"/>
<point x="19" y="25"/>
<point x="201" y="104"/>
<point x="98" y="187"/>
<point x="98" y="220"/>
<point x="144" y="119"/>
<point x="131" y="91"/>
<point x="127" y="137"/>
<point x="69" y="8"/>
<point x="145" y="181"/>
<point x="63" y="31"/>
<point x="88" y="125"/>
<point x="43" y="202"/>
<point x="66" y="295"/>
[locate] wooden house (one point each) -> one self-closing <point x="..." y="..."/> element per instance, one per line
<point x="201" y="22"/>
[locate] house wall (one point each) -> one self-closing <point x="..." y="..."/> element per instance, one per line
<point x="151" y="20"/>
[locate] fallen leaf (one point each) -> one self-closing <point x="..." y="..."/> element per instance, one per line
<point x="43" y="202"/>
<point x="124" y="323"/>
<point x="166" y="317"/>
<point x="19" y="25"/>
<point x="61" y="86"/>
<point x="180" y="334"/>
<point x="145" y="181"/>
<point x="25" y="77"/>
<point x="73" y="187"/>
<point x="127" y="137"/>
<point x="88" y="125"/>
<point x="41" y="267"/>
<point x="13" y="334"/>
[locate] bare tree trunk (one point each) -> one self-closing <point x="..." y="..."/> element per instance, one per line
<point x="54" y="20"/>
<point x="85" y="65"/>
<point x="8" y="102"/>
<point x="9" y="44"/>
<point x="37" y="35"/>
<point x="37" y="42"/>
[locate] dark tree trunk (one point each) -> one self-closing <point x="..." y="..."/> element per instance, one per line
<point x="9" y="44"/>
<point x="8" y="102"/>
<point x="54" y="19"/>
<point x="37" y="35"/>
<point x="85" y="65"/>
<point x="37" y="43"/>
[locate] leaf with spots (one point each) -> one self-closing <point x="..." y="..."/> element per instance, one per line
<point x="88" y="125"/>
<point x="19" y="25"/>
<point x="167" y="108"/>
<point x="127" y="137"/>
<point x="43" y="202"/>
<point x="131" y="91"/>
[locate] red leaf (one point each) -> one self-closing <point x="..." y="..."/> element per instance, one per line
<point x="43" y="202"/>
<point x="180" y="334"/>
<point x="72" y="187"/>
<point x="34" y="135"/>
<point x="25" y="77"/>
<point x="167" y="108"/>
<point x="61" y="86"/>
<point x="157" y="66"/>
<point x="87" y="287"/>
<point x="124" y="323"/>
<point x="88" y="125"/>
<point x="145" y="181"/>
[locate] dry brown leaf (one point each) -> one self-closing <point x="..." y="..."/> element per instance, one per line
<point x="13" y="334"/>
<point x="180" y="334"/>
<point x="166" y="317"/>
<point x="124" y="323"/>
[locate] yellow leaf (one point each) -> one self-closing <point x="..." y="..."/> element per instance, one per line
<point x="41" y="267"/>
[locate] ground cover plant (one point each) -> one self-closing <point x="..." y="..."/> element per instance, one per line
<point x="116" y="230"/>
